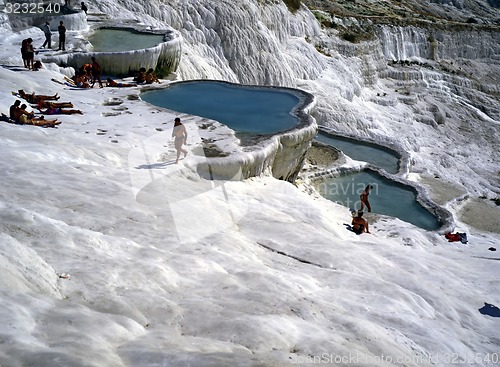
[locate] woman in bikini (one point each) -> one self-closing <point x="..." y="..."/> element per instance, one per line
<point x="364" y="198"/>
<point x="179" y="134"/>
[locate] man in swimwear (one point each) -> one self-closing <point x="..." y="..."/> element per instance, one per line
<point x="33" y="98"/>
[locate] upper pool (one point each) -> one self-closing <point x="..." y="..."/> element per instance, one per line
<point x="254" y="110"/>
<point x="375" y="154"/>
<point x="118" y="40"/>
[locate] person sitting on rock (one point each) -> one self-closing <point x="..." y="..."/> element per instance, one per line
<point x="359" y="224"/>
<point x="37" y="65"/>
<point x="81" y="80"/>
<point x="141" y="77"/>
<point x="151" y="77"/>
<point x="13" y="109"/>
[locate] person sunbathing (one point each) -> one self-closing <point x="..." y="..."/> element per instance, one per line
<point x="41" y="121"/>
<point x="111" y="83"/>
<point x="33" y="98"/>
<point x="22" y="116"/>
<point x="44" y="104"/>
<point x="51" y="110"/>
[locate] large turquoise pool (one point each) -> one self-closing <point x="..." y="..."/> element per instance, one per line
<point x="254" y="110"/>
<point x="388" y="197"/>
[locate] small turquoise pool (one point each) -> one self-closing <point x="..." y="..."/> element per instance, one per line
<point x="118" y="40"/>
<point x="254" y="110"/>
<point x="387" y="197"/>
<point x="378" y="156"/>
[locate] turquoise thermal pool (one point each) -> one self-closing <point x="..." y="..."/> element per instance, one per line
<point x="388" y="197"/>
<point x="119" y="40"/>
<point x="253" y="110"/>
<point x="376" y="155"/>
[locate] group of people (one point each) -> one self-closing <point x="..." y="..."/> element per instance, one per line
<point x="28" y="50"/>
<point x="88" y="75"/>
<point x="147" y="77"/>
<point x="61" y="29"/>
<point x="44" y="103"/>
<point x="28" y="53"/>
<point x="360" y="224"/>
<point x="19" y="114"/>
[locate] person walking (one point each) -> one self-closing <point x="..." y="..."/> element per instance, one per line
<point x="48" y="35"/>
<point x="179" y="134"/>
<point x="62" y="36"/>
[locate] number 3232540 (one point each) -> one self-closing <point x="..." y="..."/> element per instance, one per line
<point x="32" y="8"/>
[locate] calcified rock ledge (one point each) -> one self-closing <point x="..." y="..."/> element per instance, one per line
<point x="164" y="57"/>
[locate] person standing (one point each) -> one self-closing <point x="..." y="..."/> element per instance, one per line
<point x="96" y="72"/>
<point x="24" y="51"/>
<point x="364" y="198"/>
<point x="179" y="134"/>
<point x="84" y="7"/>
<point x="62" y="36"/>
<point x="48" y="35"/>
<point x="30" y="54"/>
